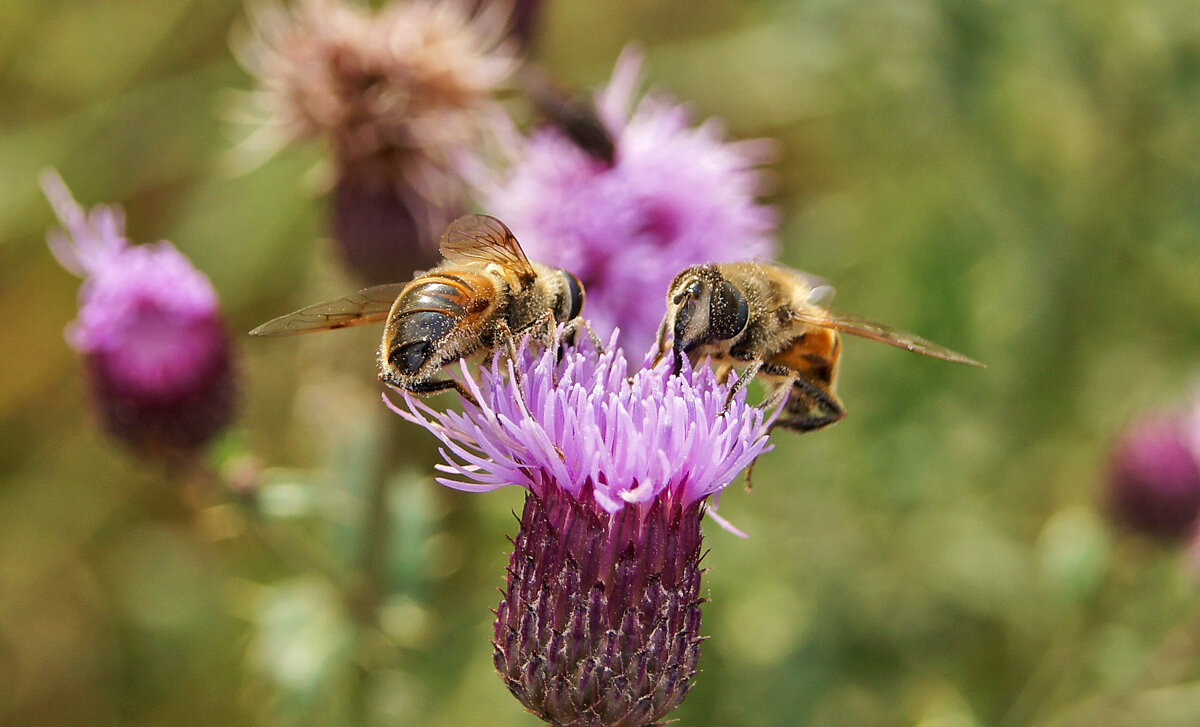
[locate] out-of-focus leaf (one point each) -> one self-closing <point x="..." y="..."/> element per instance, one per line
<point x="1075" y="550"/>
<point x="302" y="636"/>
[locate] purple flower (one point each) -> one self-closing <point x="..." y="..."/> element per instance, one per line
<point x="397" y="96"/>
<point x="1154" y="485"/>
<point x="601" y="615"/>
<point x="676" y="195"/>
<point x="150" y="331"/>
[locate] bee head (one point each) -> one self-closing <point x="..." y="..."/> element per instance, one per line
<point x="707" y="309"/>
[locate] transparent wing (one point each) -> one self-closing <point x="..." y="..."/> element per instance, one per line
<point x="858" y="326"/>
<point x="819" y="291"/>
<point x="485" y="239"/>
<point x="368" y="305"/>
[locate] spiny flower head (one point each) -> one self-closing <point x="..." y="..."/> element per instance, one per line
<point x="675" y="195"/>
<point x="397" y="95"/>
<point x="150" y="329"/>
<point x="600" y="622"/>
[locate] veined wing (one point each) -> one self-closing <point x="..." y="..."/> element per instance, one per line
<point x="865" y="328"/>
<point x="485" y="239"/>
<point x="369" y="305"/>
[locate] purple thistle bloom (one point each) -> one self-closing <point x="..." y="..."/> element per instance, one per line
<point x="149" y="328"/>
<point x="1154" y="486"/>
<point x="601" y="614"/>
<point x="676" y="195"/>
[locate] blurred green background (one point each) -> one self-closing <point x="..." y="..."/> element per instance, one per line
<point x="1017" y="180"/>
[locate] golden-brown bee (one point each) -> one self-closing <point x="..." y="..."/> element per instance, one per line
<point x="484" y="293"/>
<point x="768" y="321"/>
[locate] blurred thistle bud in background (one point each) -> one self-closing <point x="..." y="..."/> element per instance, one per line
<point x="150" y="330"/>
<point x="674" y="195"/>
<point x="600" y="622"/>
<point x="1154" y="484"/>
<point x="398" y="96"/>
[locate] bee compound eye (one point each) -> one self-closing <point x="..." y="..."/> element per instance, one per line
<point x="575" y="291"/>
<point x="728" y="313"/>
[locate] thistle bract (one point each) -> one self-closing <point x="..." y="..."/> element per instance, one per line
<point x="600" y="622"/>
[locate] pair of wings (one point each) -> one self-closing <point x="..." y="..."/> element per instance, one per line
<point x="482" y="239"/>
<point x="468" y="240"/>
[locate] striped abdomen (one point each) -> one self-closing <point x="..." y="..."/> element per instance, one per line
<point x="812" y="403"/>
<point x="814" y="355"/>
<point x="429" y="310"/>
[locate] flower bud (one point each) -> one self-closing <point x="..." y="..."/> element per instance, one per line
<point x="150" y="330"/>
<point x="1154" y="485"/>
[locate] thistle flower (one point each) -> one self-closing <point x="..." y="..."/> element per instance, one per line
<point x="675" y="195"/>
<point x="600" y="622"/>
<point x="1154" y="485"/>
<point x="397" y="95"/>
<point x="150" y="330"/>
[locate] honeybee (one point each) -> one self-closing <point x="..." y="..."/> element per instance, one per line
<point x="769" y="321"/>
<point x="485" y="292"/>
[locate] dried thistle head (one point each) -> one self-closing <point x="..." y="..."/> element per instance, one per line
<point x="398" y="96"/>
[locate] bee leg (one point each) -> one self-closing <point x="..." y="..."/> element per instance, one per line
<point x="510" y="340"/>
<point x="770" y="403"/>
<point x="743" y="378"/>
<point x="592" y="335"/>
<point x="777" y="397"/>
<point x="662" y="339"/>
<point x="510" y="349"/>
<point x="548" y="328"/>
<point x="541" y="329"/>
<point x="571" y="330"/>
<point x="810" y="407"/>
<point x="723" y="372"/>
<point x="750" y="474"/>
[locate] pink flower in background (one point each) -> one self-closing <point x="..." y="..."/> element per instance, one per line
<point x="1154" y="485"/>
<point x="675" y="195"/>
<point x="150" y="330"/>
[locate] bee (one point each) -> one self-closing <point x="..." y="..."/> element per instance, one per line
<point x="769" y="321"/>
<point x="485" y="292"/>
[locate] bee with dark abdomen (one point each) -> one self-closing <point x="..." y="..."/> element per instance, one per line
<point x="484" y="293"/>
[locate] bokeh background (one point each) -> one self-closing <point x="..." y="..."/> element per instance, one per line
<point x="1019" y="181"/>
